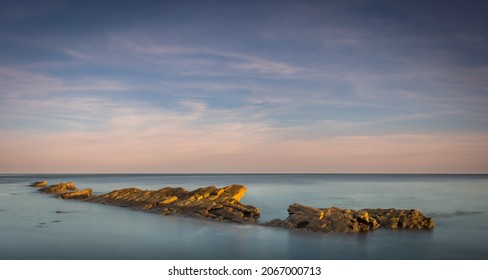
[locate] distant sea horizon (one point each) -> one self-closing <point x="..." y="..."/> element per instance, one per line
<point x="240" y="173"/>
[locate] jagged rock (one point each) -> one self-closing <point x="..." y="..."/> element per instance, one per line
<point x="60" y="188"/>
<point x="335" y="219"/>
<point x="66" y="191"/>
<point x="139" y="199"/>
<point x="40" y="184"/>
<point x="223" y="204"/>
<point x="83" y="194"/>
<point x="210" y="202"/>
<point x="404" y="219"/>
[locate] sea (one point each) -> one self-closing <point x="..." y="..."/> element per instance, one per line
<point x="36" y="226"/>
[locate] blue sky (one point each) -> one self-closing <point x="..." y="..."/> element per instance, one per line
<point x="244" y="86"/>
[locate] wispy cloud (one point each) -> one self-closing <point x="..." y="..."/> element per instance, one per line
<point x="19" y="81"/>
<point x="141" y="47"/>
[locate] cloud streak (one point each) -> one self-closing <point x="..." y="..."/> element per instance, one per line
<point x="220" y="58"/>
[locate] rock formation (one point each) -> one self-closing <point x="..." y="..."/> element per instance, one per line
<point x="211" y="202"/>
<point x="40" y="184"/>
<point x="83" y="194"/>
<point x="223" y="204"/>
<point x="66" y="191"/>
<point x="335" y="219"/>
<point x="60" y="188"/>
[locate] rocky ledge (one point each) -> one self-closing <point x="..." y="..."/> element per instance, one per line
<point x="60" y="188"/>
<point x="211" y="202"/>
<point x="223" y="204"/>
<point x="335" y="219"/>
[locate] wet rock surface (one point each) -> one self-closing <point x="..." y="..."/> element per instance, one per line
<point x="335" y="219"/>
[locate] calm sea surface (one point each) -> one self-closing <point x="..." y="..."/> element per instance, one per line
<point x="30" y="227"/>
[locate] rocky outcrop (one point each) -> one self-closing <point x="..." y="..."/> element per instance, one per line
<point x="83" y="194"/>
<point x="66" y="191"/>
<point x="39" y="184"/>
<point x="222" y="204"/>
<point x="335" y="219"/>
<point x="60" y="188"/>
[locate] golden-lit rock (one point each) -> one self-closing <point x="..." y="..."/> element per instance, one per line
<point x="83" y="194"/>
<point x="335" y="219"/>
<point x="210" y="202"/>
<point x="39" y="184"/>
<point x="234" y="191"/>
<point x="60" y="188"/>
<point x="223" y="204"/>
<point x="65" y="190"/>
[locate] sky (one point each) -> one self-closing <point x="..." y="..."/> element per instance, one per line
<point x="243" y="86"/>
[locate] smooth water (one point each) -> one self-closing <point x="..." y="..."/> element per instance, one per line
<point x="32" y="228"/>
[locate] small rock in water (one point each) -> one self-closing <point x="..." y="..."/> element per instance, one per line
<point x="60" y="188"/>
<point x="40" y="184"/>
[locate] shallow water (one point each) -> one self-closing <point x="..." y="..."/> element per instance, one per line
<point x="31" y="226"/>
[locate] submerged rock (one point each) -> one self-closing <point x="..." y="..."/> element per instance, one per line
<point x="335" y="219"/>
<point x="210" y="202"/>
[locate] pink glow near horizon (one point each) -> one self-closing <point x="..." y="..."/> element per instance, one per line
<point x="199" y="151"/>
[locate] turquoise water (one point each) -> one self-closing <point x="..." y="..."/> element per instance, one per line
<point x="31" y="228"/>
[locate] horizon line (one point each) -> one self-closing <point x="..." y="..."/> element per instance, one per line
<point x="237" y="173"/>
